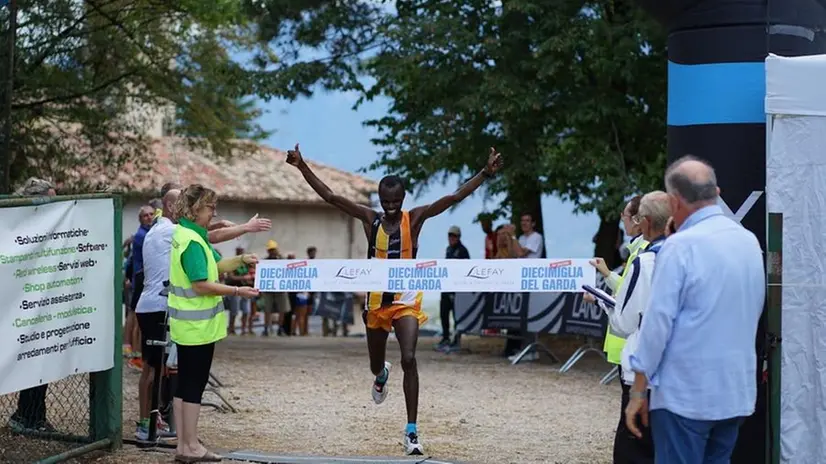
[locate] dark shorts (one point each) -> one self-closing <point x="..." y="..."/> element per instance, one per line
<point x="153" y="327"/>
<point x="137" y="289"/>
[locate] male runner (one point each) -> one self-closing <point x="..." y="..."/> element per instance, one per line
<point x="394" y="234"/>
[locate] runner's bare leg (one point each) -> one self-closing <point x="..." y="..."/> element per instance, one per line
<point x="407" y="333"/>
<point x="377" y="349"/>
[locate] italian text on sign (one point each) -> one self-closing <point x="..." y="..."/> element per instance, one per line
<point x="435" y="275"/>
<point x="56" y="272"/>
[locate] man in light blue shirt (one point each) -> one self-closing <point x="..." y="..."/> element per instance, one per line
<point x="696" y="347"/>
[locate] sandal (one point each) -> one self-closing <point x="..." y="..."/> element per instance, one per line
<point x="207" y="457"/>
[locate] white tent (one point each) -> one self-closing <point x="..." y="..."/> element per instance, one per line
<point x="796" y="187"/>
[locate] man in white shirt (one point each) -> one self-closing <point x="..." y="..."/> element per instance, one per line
<point x="531" y="243"/>
<point x="151" y="308"/>
<point x="625" y="318"/>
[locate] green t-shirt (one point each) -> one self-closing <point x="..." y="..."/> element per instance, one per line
<point x="193" y="259"/>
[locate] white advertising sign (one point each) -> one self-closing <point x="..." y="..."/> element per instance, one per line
<point x="56" y="275"/>
<point x="434" y="275"/>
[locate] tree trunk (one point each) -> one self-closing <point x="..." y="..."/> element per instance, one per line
<point x="605" y="242"/>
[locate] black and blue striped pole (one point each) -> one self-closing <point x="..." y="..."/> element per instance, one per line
<point x="716" y="90"/>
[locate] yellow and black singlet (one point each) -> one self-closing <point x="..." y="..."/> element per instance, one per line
<point x="398" y="245"/>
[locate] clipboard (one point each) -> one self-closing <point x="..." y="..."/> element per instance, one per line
<point x="605" y="298"/>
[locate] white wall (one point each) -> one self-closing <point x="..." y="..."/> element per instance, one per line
<point x="294" y="228"/>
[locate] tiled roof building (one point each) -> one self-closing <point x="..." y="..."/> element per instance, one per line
<point x="259" y="176"/>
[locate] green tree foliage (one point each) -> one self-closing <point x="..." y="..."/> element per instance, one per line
<point x="573" y="93"/>
<point x="90" y="75"/>
<point x="610" y="140"/>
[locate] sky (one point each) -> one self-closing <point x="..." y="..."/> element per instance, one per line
<point x="330" y="132"/>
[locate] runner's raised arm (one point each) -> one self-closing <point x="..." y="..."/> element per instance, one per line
<point x="365" y="214"/>
<point x="420" y="214"/>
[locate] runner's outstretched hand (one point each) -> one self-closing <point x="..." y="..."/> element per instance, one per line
<point x="494" y="161"/>
<point x="294" y="156"/>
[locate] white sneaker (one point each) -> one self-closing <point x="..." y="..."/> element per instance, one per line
<point x="380" y="390"/>
<point x="532" y="356"/>
<point x="412" y="447"/>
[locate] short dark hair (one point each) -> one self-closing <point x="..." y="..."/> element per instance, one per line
<point x="35" y="187"/>
<point x="391" y="181"/>
<point x="690" y="190"/>
<point x="170" y="186"/>
<point x="311" y="248"/>
<point x="634" y="205"/>
<point x="530" y="215"/>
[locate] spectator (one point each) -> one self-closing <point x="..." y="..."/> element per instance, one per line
<point x="145" y="218"/>
<point x="239" y="277"/>
<point x="151" y="310"/>
<point x="30" y="414"/>
<point x="156" y="203"/>
<point x="632" y="296"/>
<point x="530" y="245"/>
<point x="455" y="250"/>
<point x="490" y="236"/>
<point x="696" y="342"/>
<point x="505" y="242"/>
<point x="298" y="303"/>
<point x="614" y="344"/>
<point x="196" y="312"/>
<point x="505" y="249"/>
<point x="274" y="302"/>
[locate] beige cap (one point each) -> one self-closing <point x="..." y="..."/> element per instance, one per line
<point x="455" y="230"/>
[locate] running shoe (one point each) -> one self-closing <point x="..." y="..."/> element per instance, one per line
<point x="412" y="447"/>
<point x="161" y="431"/>
<point x="442" y="345"/>
<point x="379" y="390"/>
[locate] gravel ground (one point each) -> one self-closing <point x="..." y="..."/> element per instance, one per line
<point x="311" y="396"/>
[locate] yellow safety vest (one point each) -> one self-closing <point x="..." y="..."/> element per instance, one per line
<point x="193" y="319"/>
<point x="614" y="344"/>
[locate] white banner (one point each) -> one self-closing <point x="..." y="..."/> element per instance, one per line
<point x="434" y="275"/>
<point x="57" y="278"/>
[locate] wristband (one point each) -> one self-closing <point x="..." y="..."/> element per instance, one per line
<point x="235" y="293"/>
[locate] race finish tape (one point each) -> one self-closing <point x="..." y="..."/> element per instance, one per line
<point x="435" y="275"/>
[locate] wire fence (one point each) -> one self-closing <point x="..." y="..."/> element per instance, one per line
<point x="41" y="422"/>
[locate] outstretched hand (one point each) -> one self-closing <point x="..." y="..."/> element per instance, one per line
<point x="494" y="161"/>
<point x="256" y="224"/>
<point x="294" y="157"/>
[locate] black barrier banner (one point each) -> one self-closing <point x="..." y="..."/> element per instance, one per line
<point x="335" y="305"/>
<point x="506" y="311"/>
<point x="554" y="313"/>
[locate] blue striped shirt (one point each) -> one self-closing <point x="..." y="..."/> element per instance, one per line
<point x="697" y="339"/>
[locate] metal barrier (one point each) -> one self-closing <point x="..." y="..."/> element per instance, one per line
<point x="77" y="414"/>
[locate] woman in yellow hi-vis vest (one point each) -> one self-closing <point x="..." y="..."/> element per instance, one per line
<point x="196" y="311"/>
<point x="614" y="344"/>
